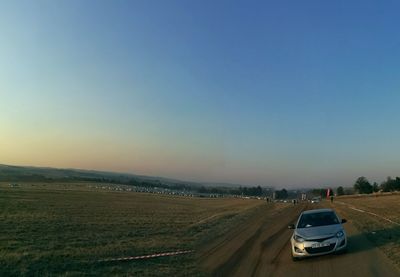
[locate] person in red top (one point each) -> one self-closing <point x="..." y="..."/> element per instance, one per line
<point x="329" y="193"/>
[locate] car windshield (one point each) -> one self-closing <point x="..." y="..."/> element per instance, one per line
<point x="317" y="219"/>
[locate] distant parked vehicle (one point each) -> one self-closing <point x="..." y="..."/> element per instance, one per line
<point x="315" y="200"/>
<point x="317" y="232"/>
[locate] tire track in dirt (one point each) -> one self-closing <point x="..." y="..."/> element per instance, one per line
<point x="262" y="248"/>
<point x="226" y="268"/>
<point x="278" y="236"/>
<point x="248" y="245"/>
<point x="228" y="237"/>
<point x="362" y="259"/>
<point x="264" y="245"/>
<point x="241" y="230"/>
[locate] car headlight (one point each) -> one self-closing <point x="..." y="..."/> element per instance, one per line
<point x="340" y="234"/>
<point x="298" y="238"/>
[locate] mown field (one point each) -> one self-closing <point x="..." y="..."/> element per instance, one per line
<point x="65" y="229"/>
<point x="384" y="234"/>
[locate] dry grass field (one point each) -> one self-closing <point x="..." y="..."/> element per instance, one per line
<point x="65" y="229"/>
<point x="381" y="232"/>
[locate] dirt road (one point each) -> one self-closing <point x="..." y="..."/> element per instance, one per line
<point x="261" y="248"/>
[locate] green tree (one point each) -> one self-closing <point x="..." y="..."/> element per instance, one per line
<point x="281" y="194"/>
<point x="319" y="192"/>
<point x="397" y="183"/>
<point x="340" y="191"/>
<point x="362" y="185"/>
<point x="375" y="187"/>
<point x="388" y="185"/>
<point x="259" y="191"/>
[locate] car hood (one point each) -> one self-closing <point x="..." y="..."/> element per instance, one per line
<point x="319" y="231"/>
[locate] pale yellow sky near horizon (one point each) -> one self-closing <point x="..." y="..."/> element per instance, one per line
<point x="69" y="148"/>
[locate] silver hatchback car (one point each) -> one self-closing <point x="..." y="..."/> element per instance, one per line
<point x="317" y="232"/>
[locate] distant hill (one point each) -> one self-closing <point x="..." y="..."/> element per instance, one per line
<point x="11" y="173"/>
<point x="15" y="174"/>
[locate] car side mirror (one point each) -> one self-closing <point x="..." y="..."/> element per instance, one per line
<point x="344" y="220"/>
<point x="291" y="226"/>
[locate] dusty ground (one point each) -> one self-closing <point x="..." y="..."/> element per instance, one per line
<point x="378" y="218"/>
<point x="261" y="248"/>
<point x="64" y="229"/>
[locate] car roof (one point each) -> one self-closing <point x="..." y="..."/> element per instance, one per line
<point x="317" y="211"/>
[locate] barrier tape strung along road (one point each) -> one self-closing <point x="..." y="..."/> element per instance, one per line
<point x="147" y="256"/>
<point x="371" y="213"/>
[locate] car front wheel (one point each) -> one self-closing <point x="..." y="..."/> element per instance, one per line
<point x="295" y="259"/>
<point x="343" y="251"/>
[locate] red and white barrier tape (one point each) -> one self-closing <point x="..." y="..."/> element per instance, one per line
<point x="147" y="256"/>
<point x="371" y="213"/>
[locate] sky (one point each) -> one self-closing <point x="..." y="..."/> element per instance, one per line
<point x="275" y="93"/>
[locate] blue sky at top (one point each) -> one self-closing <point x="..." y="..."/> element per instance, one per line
<point x="285" y="93"/>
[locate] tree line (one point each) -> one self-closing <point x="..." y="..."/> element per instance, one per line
<point x="363" y="186"/>
<point x="245" y="191"/>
